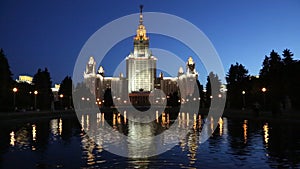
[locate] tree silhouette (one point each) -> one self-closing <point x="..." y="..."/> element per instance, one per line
<point x="42" y="83"/>
<point x="212" y="80"/>
<point x="287" y="57"/>
<point x="6" y="82"/>
<point x="108" y="100"/>
<point x="271" y="76"/>
<point x="236" y="78"/>
<point x="66" y="91"/>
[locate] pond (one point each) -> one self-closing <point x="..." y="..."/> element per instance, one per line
<point x="62" y="142"/>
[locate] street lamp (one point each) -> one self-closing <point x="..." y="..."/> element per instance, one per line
<point x="244" y="100"/>
<point x="35" y="93"/>
<point x="61" y="97"/>
<point x="264" y="93"/>
<point x="15" y="91"/>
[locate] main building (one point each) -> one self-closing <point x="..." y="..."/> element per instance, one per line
<point x="141" y="80"/>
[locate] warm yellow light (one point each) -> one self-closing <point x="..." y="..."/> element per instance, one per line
<point x="35" y="92"/>
<point x="15" y="89"/>
<point x="12" y="138"/>
<point x="221" y="126"/>
<point x="243" y="92"/>
<point x="245" y="127"/>
<point x="34" y="132"/>
<point x="60" y="126"/>
<point x="190" y="60"/>
<point x="263" y="89"/>
<point x="61" y="95"/>
<point x="266" y="133"/>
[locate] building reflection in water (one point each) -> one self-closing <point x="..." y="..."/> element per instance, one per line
<point x="266" y="134"/>
<point x="60" y="126"/>
<point x="87" y="123"/>
<point x="33" y="136"/>
<point x="20" y="138"/>
<point x="245" y="127"/>
<point x="12" y="138"/>
<point x="88" y="146"/>
<point x="33" y="132"/>
<point x="82" y="122"/>
<point x="249" y="142"/>
<point x="211" y="124"/>
<point x="56" y="127"/>
<point x="140" y="139"/>
<point x="140" y="136"/>
<point x="221" y="126"/>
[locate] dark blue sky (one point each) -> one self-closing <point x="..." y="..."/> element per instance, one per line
<point x="38" y="34"/>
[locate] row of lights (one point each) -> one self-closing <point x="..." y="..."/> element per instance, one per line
<point x="15" y="90"/>
<point x="244" y="92"/>
<point x="263" y="90"/>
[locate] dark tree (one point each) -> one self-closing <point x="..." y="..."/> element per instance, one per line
<point x="293" y="92"/>
<point x="42" y="83"/>
<point x="290" y="80"/>
<point x="83" y="97"/>
<point x="236" y="78"/>
<point x="237" y="74"/>
<point x="198" y="92"/>
<point x="108" y="100"/>
<point x="271" y="76"/>
<point x="265" y="67"/>
<point x="6" y="82"/>
<point x="66" y="91"/>
<point x="287" y="57"/>
<point x="212" y="80"/>
<point x="24" y="96"/>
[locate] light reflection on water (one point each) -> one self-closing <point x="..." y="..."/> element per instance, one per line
<point x="62" y="142"/>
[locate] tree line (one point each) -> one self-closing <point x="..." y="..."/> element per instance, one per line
<point x="37" y="95"/>
<point x="274" y="89"/>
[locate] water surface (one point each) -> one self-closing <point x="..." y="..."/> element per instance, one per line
<point x="62" y="143"/>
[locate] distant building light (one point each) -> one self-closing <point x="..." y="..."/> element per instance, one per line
<point x="25" y="79"/>
<point x="55" y="88"/>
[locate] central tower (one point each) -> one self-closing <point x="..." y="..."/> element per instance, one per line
<point x="141" y="64"/>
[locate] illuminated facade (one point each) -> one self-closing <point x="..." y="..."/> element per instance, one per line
<point x="141" y="64"/>
<point x="25" y="79"/>
<point x="140" y="78"/>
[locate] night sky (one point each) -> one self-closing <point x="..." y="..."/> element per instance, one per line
<point x="39" y="34"/>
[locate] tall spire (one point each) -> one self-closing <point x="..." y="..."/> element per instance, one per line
<point x="141" y="31"/>
<point x="141" y="14"/>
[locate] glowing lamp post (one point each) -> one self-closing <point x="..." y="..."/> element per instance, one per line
<point x="61" y="97"/>
<point x="15" y="91"/>
<point x="35" y="93"/>
<point x="244" y="100"/>
<point x="264" y="93"/>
